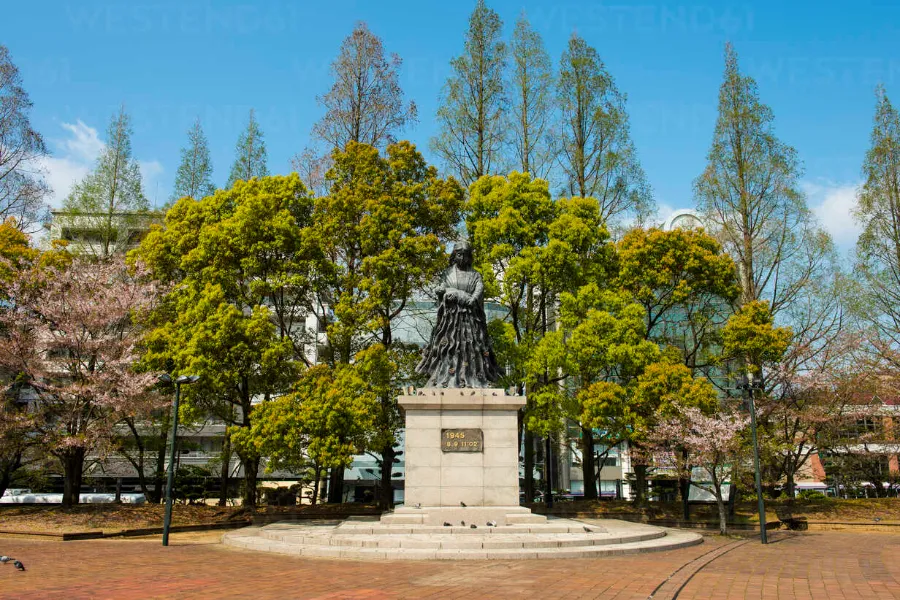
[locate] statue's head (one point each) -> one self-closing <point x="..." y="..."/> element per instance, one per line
<point x="461" y="256"/>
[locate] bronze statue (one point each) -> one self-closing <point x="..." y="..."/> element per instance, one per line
<point x="459" y="354"/>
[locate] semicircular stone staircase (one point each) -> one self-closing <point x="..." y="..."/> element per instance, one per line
<point x="556" y="538"/>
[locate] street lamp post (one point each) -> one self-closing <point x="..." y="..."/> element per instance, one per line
<point x="170" y="480"/>
<point x="750" y="383"/>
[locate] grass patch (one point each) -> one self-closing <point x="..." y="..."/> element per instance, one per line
<point x="108" y="517"/>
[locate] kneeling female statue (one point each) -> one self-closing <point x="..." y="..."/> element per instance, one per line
<point x="459" y="354"/>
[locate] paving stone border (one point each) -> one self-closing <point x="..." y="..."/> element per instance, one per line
<point x="558" y="538"/>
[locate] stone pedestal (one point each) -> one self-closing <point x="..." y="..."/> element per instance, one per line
<point x="462" y="449"/>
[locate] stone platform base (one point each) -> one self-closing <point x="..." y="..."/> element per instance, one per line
<point x="362" y="539"/>
<point x="459" y="516"/>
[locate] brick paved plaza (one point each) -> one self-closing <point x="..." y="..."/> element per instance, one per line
<point x="810" y="565"/>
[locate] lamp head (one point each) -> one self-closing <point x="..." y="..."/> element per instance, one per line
<point x="187" y="379"/>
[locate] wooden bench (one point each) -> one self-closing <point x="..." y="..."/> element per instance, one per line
<point x="786" y="517"/>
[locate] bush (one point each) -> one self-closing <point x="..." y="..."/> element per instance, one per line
<point x="811" y="495"/>
<point x="280" y="496"/>
<point x="192" y="484"/>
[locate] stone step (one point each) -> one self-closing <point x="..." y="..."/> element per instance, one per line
<point x="436" y="516"/>
<point x="450" y="542"/>
<point x="525" y="519"/>
<point x="377" y="529"/>
<point x="249" y="539"/>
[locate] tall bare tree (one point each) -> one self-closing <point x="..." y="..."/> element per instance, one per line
<point x="109" y="203"/>
<point x="312" y="168"/>
<point x="878" y="247"/>
<point x="750" y="197"/>
<point x="471" y="114"/>
<point x="22" y="187"/>
<point x="365" y="103"/>
<point x="531" y="101"/>
<point x="749" y="193"/>
<point x="194" y="177"/>
<point x="597" y="154"/>
<point x="251" y="157"/>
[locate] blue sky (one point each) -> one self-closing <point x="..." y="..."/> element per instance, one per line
<point x="817" y="64"/>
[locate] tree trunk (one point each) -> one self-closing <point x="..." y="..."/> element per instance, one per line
<point x="6" y="471"/>
<point x="137" y="464"/>
<point x="529" y="466"/>
<point x="336" y="485"/>
<point x="73" y="469"/>
<point x="251" y="466"/>
<point x="316" y="479"/>
<point x="723" y="515"/>
<point x="790" y="484"/>
<point x="225" y="474"/>
<point x="548" y="471"/>
<point x="732" y="499"/>
<point x="684" y="486"/>
<point x="159" y="477"/>
<point x="588" y="467"/>
<point x="386" y="500"/>
<point x="640" y="486"/>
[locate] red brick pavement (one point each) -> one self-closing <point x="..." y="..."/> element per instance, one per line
<point x="810" y="565"/>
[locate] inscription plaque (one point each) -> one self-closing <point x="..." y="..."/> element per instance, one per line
<point x="462" y="440"/>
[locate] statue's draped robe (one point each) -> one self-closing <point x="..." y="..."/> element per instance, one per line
<point x="459" y="354"/>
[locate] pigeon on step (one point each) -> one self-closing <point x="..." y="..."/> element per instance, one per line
<point x="492" y="523"/>
<point x="463" y="504"/>
<point x="446" y="524"/>
<point x="588" y="529"/>
<point x="463" y="523"/>
<point x="18" y="565"/>
<point x="473" y="526"/>
<point x="5" y="559"/>
<point x="418" y="505"/>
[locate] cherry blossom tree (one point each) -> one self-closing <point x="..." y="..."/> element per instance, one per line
<point x="71" y="339"/>
<point x="712" y="442"/>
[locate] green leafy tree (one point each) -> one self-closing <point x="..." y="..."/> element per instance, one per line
<point x="239" y="265"/>
<point x="508" y="220"/>
<point x="751" y="335"/>
<point x="251" y="158"/>
<point x="471" y="113"/>
<point x="109" y="202"/>
<point x="365" y="103"/>
<point x="688" y="293"/>
<point x="687" y="298"/>
<point x="325" y="420"/>
<point x="531" y="101"/>
<point x="596" y="151"/>
<point x="194" y="176"/>
<point x="595" y="353"/>
<point x="381" y="231"/>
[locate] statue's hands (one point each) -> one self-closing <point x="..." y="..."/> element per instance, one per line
<point x="459" y="296"/>
<point x="453" y="294"/>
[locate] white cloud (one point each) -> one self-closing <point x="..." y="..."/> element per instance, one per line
<point x="73" y="157"/>
<point x="76" y="153"/>
<point x="663" y="212"/>
<point x="83" y="142"/>
<point x="833" y="203"/>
